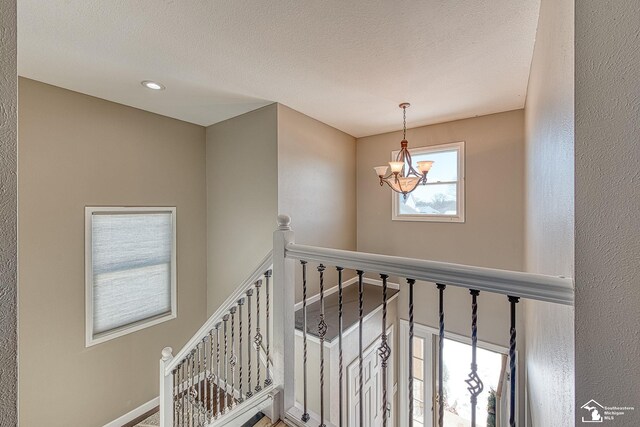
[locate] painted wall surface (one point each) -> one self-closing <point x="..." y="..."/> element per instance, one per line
<point x="550" y="213"/>
<point x="8" y="214"/>
<point x="317" y="185"/>
<point x="78" y="151"/>
<point x="607" y="187"/>
<point x="492" y="236"/>
<point x="242" y="198"/>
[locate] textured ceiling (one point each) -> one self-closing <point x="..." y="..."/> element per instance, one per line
<point x="346" y="63"/>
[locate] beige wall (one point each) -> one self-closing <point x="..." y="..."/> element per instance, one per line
<point x="549" y="214"/>
<point x="492" y="236"/>
<point x="607" y="242"/>
<point x="317" y="185"/>
<point x="242" y="198"/>
<point x="8" y="216"/>
<point x="78" y="151"/>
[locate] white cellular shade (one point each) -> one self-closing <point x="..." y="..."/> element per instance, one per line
<point x="131" y="267"/>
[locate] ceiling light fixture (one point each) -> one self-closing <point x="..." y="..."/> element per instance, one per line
<point x="152" y="85"/>
<point x="403" y="178"/>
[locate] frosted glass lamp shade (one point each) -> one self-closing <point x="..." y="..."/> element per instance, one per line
<point x="381" y="170"/>
<point x="396" y="167"/>
<point x="425" y="166"/>
<point x="404" y="184"/>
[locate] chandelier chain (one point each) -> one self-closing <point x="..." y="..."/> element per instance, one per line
<point x="404" y="122"/>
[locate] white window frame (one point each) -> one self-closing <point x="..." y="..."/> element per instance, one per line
<point x="460" y="198"/>
<point x="430" y="335"/>
<point x="91" y="338"/>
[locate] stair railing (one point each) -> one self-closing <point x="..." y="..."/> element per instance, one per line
<point x="225" y="368"/>
<point x="289" y="256"/>
<point x="182" y="377"/>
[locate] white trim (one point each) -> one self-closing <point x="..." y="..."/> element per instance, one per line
<point x="460" y="193"/>
<point x="135" y="413"/>
<point x="92" y="339"/>
<point x="526" y="285"/>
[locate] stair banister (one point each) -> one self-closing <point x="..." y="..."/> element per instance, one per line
<point x="232" y="300"/>
<point x="539" y="287"/>
<point x="283" y="319"/>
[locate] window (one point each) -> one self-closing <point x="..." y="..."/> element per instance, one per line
<point x="130" y="263"/>
<point x="442" y="198"/>
<point x="492" y="370"/>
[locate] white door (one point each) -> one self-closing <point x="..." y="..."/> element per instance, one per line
<point x="371" y="388"/>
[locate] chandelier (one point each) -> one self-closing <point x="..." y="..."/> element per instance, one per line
<point x="403" y="178"/>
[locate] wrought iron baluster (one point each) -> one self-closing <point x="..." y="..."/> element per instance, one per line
<point x="474" y="382"/>
<point x="175" y="394"/>
<point x="322" y="330"/>
<point x="360" y="349"/>
<point x="225" y="389"/>
<point x="411" y="283"/>
<point x="267" y="275"/>
<point x="305" y="414"/>
<point x="512" y="362"/>
<point x="192" y="389"/>
<point x="232" y="359"/>
<point x="340" y="361"/>
<point x="249" y="340"/>
<point x="384" y="352"/>
<point x="211" y="378"/>
<point x="184" y="392"/>
<point x="258" y="337"/>
<point x="240" y="304"/>
<point x="217" y="400"/>
<point x="205" y="389"/>
<point x="441" y="289"/>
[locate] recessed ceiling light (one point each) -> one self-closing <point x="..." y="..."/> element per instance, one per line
<point x="152" y="85"/>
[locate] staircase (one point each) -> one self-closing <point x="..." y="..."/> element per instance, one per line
<point x="241" y="361"/>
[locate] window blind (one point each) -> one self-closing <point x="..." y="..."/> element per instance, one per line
<point x="131" y="267"/>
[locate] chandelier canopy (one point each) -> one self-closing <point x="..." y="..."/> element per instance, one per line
<point x="403" y="177"/>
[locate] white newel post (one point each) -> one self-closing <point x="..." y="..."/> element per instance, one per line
<point x="283" y="314"/>
<point x="166" y="390"/>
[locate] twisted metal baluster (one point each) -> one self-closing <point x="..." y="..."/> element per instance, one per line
<point x="225" y="360"/>
<point x="384" y="352"/>
<point x="441" y="289"/>
<point x="267" y="275"/>
<point x="233" y="359"/>
<point x="205" y="391"/>
<point x="193" y="393"/>
<point x="240" y="304"/>
<point x="512" y="362"/>
<point x="184" y="393"/>
<point x="258" y="337"/>
<point x="211" y="378"/>
<point x="217" y="400"/>
<point x="340" y="361"/>
<point x="249" y="340"/>
<point x="360" y="349"/>
<point x="322" y="330"/>
<point x="175" y="394"/>
<point x="474" y="382"/>
<point x="411" y="283"/>
<point x="305" y="414"/>
<point x="198" y="382"/>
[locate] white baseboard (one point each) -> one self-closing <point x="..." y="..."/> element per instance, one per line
<point x="135" y="413"/>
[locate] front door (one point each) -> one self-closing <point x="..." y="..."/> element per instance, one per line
<point x="371" y="389"/>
